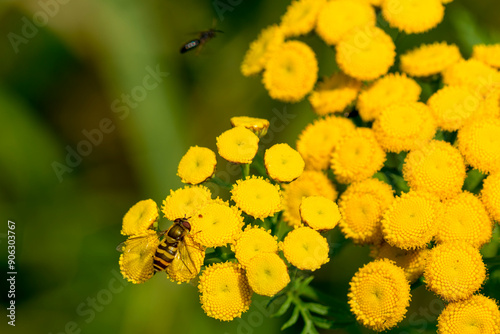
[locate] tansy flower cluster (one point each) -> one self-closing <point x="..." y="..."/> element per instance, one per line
<point x="403" y="155"/>
<point x="415" y="173"/>
<point x="231" y="247"/>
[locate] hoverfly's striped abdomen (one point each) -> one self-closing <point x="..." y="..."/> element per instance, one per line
<point x="167" y="250"/>
<point x="190" y="45"/>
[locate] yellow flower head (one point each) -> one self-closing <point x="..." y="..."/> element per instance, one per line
<point x="319" y="213"/>
<point x="310" y="183"/>
<point x="410" y="222"/>
<point x="257" y="197"/>
<point x="267" y="274"/>
<point x="197" y="165"/>
<point x="472" y="73"/>
<point x="412" y="261"/>
<point x="216" y="224"/>
<point x="477" y="314"/>
<point x="357" y="156"/>
<point x="337" y="18"/>
<point x="365" y="53"/>
<point x="454" y="271"/>
<point x="238" y="145"/>
<point x="334" y="94"/>
<point x="300" y="17"/>
<point x="479" y="143"/>
<point x="305" y="248"/>
<point x="185" y="202"/>
<point x="490" y="195"/>
<point x="140" y="217"/>
<point x="390" y="89"/>
<point x="136" y="260"/>
<point x="488" y="54"/>
<point x="413" y="16"/>
<point x="187" y="264"/>
<point x="452" y="106"/>
<point x="291" y="72"/>
<point x="436" y="168"/>
<point x="490" y="106"/>
<point x="379" y="295"/>
<point x="361" y="207"/>
<point x="224" y="291"/>
<point x="429" y="59"/>
<point x="258" y="126"/>
<point x="317" y="140"/>
<point x="269" y="40"/>
<point x="253" y="241"/>
<point x="283" y="163"/>
<point x="464" y="219"/>
<point x="404" y="126"/>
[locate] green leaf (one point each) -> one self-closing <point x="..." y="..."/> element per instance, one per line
<point x="473" y="181"/>
<point x="329" y="324"/>
<point x="303" y="283"/>
<point x="309" y="328"/>
<point x="284" y="307"/>
<point x="293" y="319"/>
<point x="317" y="308"/>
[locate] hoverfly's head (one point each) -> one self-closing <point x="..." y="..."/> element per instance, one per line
<point x="185" y="223"/>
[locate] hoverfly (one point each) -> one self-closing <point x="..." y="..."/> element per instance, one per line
<point x="204" y="37"/>
<point x="155" y="256"/>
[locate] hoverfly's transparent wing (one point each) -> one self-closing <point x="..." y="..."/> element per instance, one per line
<point x="136" y="260"/>
<point x="187" y="262"/>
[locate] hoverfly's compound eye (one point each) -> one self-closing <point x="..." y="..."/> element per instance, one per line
<point x="186" y="225"/>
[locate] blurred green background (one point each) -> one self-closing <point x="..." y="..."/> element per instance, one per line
<point x="68" y="76"/>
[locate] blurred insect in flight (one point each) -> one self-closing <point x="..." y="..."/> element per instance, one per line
<point x="172" y="246"/>
<point x="204" y="37"/>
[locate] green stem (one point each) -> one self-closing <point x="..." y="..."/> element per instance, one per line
<point x="245" y="170"/>
<point x="216" y="180"/>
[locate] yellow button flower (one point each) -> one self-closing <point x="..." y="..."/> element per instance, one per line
<point x="436" y="168"/>
<point x="477" y="314"/>
<point x="187" y="264"/>
<point x="429" y="59"/>
<point x="404" y="126"/>
<point x="452" y="106"/>
<point x="197" y="165"/>
<point x="308" y="184"/>
<point x="488" y="54"/>
<point x="216" y="224"/>
<point x="283" y="163"/>
<point x="267" y="274"/>
<point x="319" y="213"/>
<point x="300" y="17"/>
<point x="334" y="94"/>
<point x="412" y="261"/>
<point x="410" y="222"/>
<point x="305" y="248"/>
<point x="258" y="126"/>
<point x="224" y="291"/>
<point x="489" y="107"/>
<point x="291" y="72"/>
<point x="269" y="40"/>
<point x="390" y="89"/>
<point x="317" y="140"/>
<point x="454" y="271"/>
<point x="253" y="241"/>
<point x="140" y="217"/>
<point x="413" y="16"/>
<point x="238" y="145"/>
<point x="490" y="195"/>
<point x="473" y="74"/>
<point x="183" y="203"/>
<point x="337" y="18"/>
<point x="257" y="197"/>
<point x="136" y="260"/>
<point x="379" y="295"/>
<point x="357" y="156"/>
<point x="361" y="207"/>
<point x="465" y="219"/>
<point x="479" y="143"/>
<point x="365" y="53"/>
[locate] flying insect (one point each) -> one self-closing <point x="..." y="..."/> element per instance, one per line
<point x="204" y="36"/>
